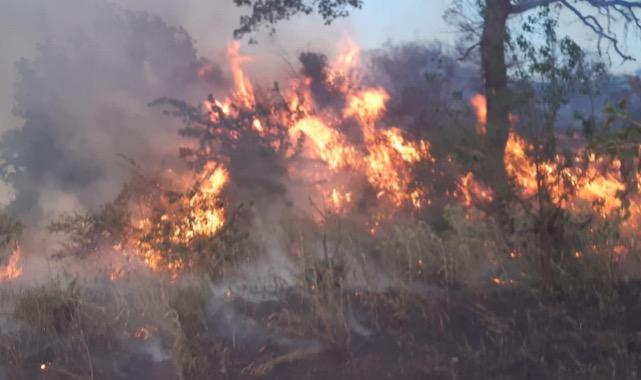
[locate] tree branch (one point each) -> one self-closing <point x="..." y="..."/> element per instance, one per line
<point x="593" y="23"/>
<point x="468" y="51"/>
<point x="607" y="9"/>
<point x="269" y="12"/>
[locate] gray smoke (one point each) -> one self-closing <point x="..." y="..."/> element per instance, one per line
<point x="91" y="67"/>
<point x="83" y="100"/>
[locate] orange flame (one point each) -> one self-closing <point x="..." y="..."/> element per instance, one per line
<point x="596" y="187"/>
<point x="470" y="191"/>
<point x="585" y="186"/>
<point x="13" y="269"/>
<point x="479" y="103"/>
<point x="341" y="75"/>
<point x="200" y="214"/>
<point x="327" y="141"/>
<point x="244" y="91"/>
<point x="367" y="105"/>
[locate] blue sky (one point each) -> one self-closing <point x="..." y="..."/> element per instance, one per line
<point x="422" y="20"/>
<point x="25" y="23"/>
<point x="401" y="20"/>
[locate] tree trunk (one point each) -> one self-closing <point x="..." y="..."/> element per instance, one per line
<point x="497" y="94"/>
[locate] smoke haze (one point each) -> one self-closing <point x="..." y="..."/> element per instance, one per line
<point x="77" y="77"/>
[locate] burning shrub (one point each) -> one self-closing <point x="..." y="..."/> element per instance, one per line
<point x="321" y="136"/>
<point x="168" y="231"/>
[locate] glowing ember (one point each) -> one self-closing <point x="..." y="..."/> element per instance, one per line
<point x="142" y="334"/>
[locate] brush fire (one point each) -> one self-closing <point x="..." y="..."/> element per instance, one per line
<point x="315" y="143"/>
<point x="359" y="213"/>
<point x="323" y="152"/>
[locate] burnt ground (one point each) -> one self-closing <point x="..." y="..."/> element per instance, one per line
<point x="505" y="332"/>
<point x="508" y="333"/>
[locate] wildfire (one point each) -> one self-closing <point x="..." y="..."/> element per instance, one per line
<point x="367" y="105"/>
<point x="195" y="214"/>
<point x="13" y="269"/>
<point x="328" y="142"/>
<point x="586" y="185"/>
<point x="387" y="169"/>
<point x="471" y="191"/>
<point x="244" y="92"/>
<point x="380" y="156"/>
<point x="340" y="201"/>
<point x="591" y="183"/>
<point x="350" y="147"/>
<point x="479" y="103"/>
<point x="385" y="156"/>
<point x="342" y="75"/>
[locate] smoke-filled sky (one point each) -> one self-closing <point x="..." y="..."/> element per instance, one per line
<point x="89" y="68"/>
<point x="25" y="23"/>
<point x="81" y="60"/>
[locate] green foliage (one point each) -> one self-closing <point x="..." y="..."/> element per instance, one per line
<point x="269" y="12"/>
<point x="557" y="68"/>
<point x="84" y="234"/>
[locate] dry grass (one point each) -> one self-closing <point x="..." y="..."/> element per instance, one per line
<point x="409" y="302"/>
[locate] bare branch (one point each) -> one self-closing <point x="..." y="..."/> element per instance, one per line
<point x="603" y="33"/>
<point x="607" y="10"/>
<point x="468" y="51"/>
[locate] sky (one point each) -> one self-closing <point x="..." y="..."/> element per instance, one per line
<point x="26" y="23"/>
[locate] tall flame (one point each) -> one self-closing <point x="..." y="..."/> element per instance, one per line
<point x="342" y="75"/>
<point x="13" y="269"/>
<point x="244" y="91"/>
<point x="479" y="103"/>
